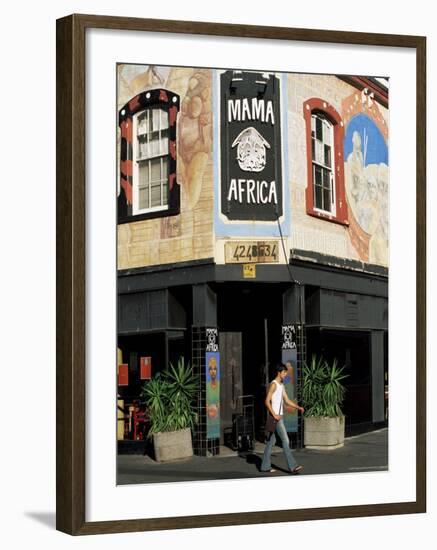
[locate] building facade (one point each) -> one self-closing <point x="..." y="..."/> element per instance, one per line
<point x="252" y="229"/>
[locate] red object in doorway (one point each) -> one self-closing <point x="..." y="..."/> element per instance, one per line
<point x="123" y="374"/>
<point x="145" y="368"/>
<point x="139" y="421"/>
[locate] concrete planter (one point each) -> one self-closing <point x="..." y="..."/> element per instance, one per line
<point x="323" y="433"/>
<point x="171" y="446"/>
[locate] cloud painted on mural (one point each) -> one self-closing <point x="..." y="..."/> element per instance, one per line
<point x="373" y="146"/>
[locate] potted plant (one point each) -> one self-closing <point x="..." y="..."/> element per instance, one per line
<point x="322" y="397"/>
<point x="170" y="399"/>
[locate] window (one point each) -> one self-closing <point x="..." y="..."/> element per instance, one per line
<point x="325" y="193"/>
<point x="322" y="139"/>
<point x="151" y="161"/>
<point x="148" y="187"/>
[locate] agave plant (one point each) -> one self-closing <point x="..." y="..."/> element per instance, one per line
<point x="170" y="398"/>
<point x="155" y="396"/>
<point x="322" y="391"/>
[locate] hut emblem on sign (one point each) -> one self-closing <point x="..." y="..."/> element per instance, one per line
<point x="251" y="150"/>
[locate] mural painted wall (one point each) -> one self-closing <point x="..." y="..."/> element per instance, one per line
<point x="189" y="235"/>
<point x="365" y="154"/>
<point x="201" y="230"/>
<point x="366" y="177"/>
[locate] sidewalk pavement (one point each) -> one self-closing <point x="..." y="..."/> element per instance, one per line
<point x="366" y="452"/>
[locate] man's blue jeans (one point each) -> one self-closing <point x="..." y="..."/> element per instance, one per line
<point x="282" y="432"/>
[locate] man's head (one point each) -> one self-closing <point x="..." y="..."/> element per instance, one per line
<point x="281" y="371"/>
<point x="212" y="367"/>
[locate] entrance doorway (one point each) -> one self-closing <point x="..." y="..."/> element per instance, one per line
<point x="254" y="312"/>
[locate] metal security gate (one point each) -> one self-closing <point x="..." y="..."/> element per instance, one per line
<point x="231" y="381"/>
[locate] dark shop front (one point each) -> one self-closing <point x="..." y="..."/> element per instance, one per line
<point x="344" y="316"/>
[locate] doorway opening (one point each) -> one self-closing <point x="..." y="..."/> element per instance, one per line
<point x="249" y="318"/>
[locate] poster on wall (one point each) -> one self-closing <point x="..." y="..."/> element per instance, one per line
<point x="212" y="360"/>
<point x="145" y="368"/>
<point x="289" y="358"/>
<point x="288" y="337"/>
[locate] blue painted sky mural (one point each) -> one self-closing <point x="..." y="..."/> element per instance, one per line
<point x="373" y="145"/>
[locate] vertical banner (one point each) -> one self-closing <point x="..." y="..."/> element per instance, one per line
<point x="212" y="361"/>
<point x="289" y="358"/>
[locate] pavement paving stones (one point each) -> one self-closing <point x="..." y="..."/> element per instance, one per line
<point x="362" y="453"/>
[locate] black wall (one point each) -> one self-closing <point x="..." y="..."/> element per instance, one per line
<point x="331" y="308"/>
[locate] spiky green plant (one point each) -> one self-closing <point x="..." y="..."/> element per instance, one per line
<point x="322" y="390"/>
<point x="170" y="398"/>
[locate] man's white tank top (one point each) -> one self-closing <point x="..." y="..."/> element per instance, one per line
<point x="277" y="401"/>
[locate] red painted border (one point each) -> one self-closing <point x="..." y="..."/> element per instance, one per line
<point x="309" y="106"/>
<point x="149" y="98"/>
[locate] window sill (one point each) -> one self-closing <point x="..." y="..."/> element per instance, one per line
<point x="327" y="217"/>
<point x="153" y="210"/>
<point x="148" y="216"/>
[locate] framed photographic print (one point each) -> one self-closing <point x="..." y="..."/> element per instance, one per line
<point x="240" y="274"/>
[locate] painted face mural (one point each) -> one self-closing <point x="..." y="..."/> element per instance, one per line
<point x="290" y="414"/>
<point x="213" y="395"/>
<point x="367" y="177"/>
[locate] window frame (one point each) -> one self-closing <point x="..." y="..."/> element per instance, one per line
<point x="339" y="213"/>
<point x="136" y="210"/>
<point x="128" y="201"/>
<point x="317" y="115"/>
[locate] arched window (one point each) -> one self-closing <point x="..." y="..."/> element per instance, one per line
<point x="325" y="192"/>
<point x="148" y="187"/>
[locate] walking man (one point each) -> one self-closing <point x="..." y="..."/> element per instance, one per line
<point x="276" y="396"/>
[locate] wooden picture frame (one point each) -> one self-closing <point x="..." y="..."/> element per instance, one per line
<point x="71" y="253"/>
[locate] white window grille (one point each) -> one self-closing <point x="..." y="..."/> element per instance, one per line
<point x="151" y="161"/>
<point x="322" y="150"/>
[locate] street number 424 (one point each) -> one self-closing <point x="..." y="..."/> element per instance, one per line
<point x="255" y="251"/>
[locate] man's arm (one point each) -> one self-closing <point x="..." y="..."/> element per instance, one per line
<point x="291" y="403"/>
<point x="268" y="401"/>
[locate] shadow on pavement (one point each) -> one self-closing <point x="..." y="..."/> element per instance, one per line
<point x="252" y="459"/>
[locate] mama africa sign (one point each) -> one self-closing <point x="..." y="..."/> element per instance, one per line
<point x="251" y="177"/>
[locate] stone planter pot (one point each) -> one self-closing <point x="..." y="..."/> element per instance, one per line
<point x="171" y="446"/>
<point x="323" y="433"/>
